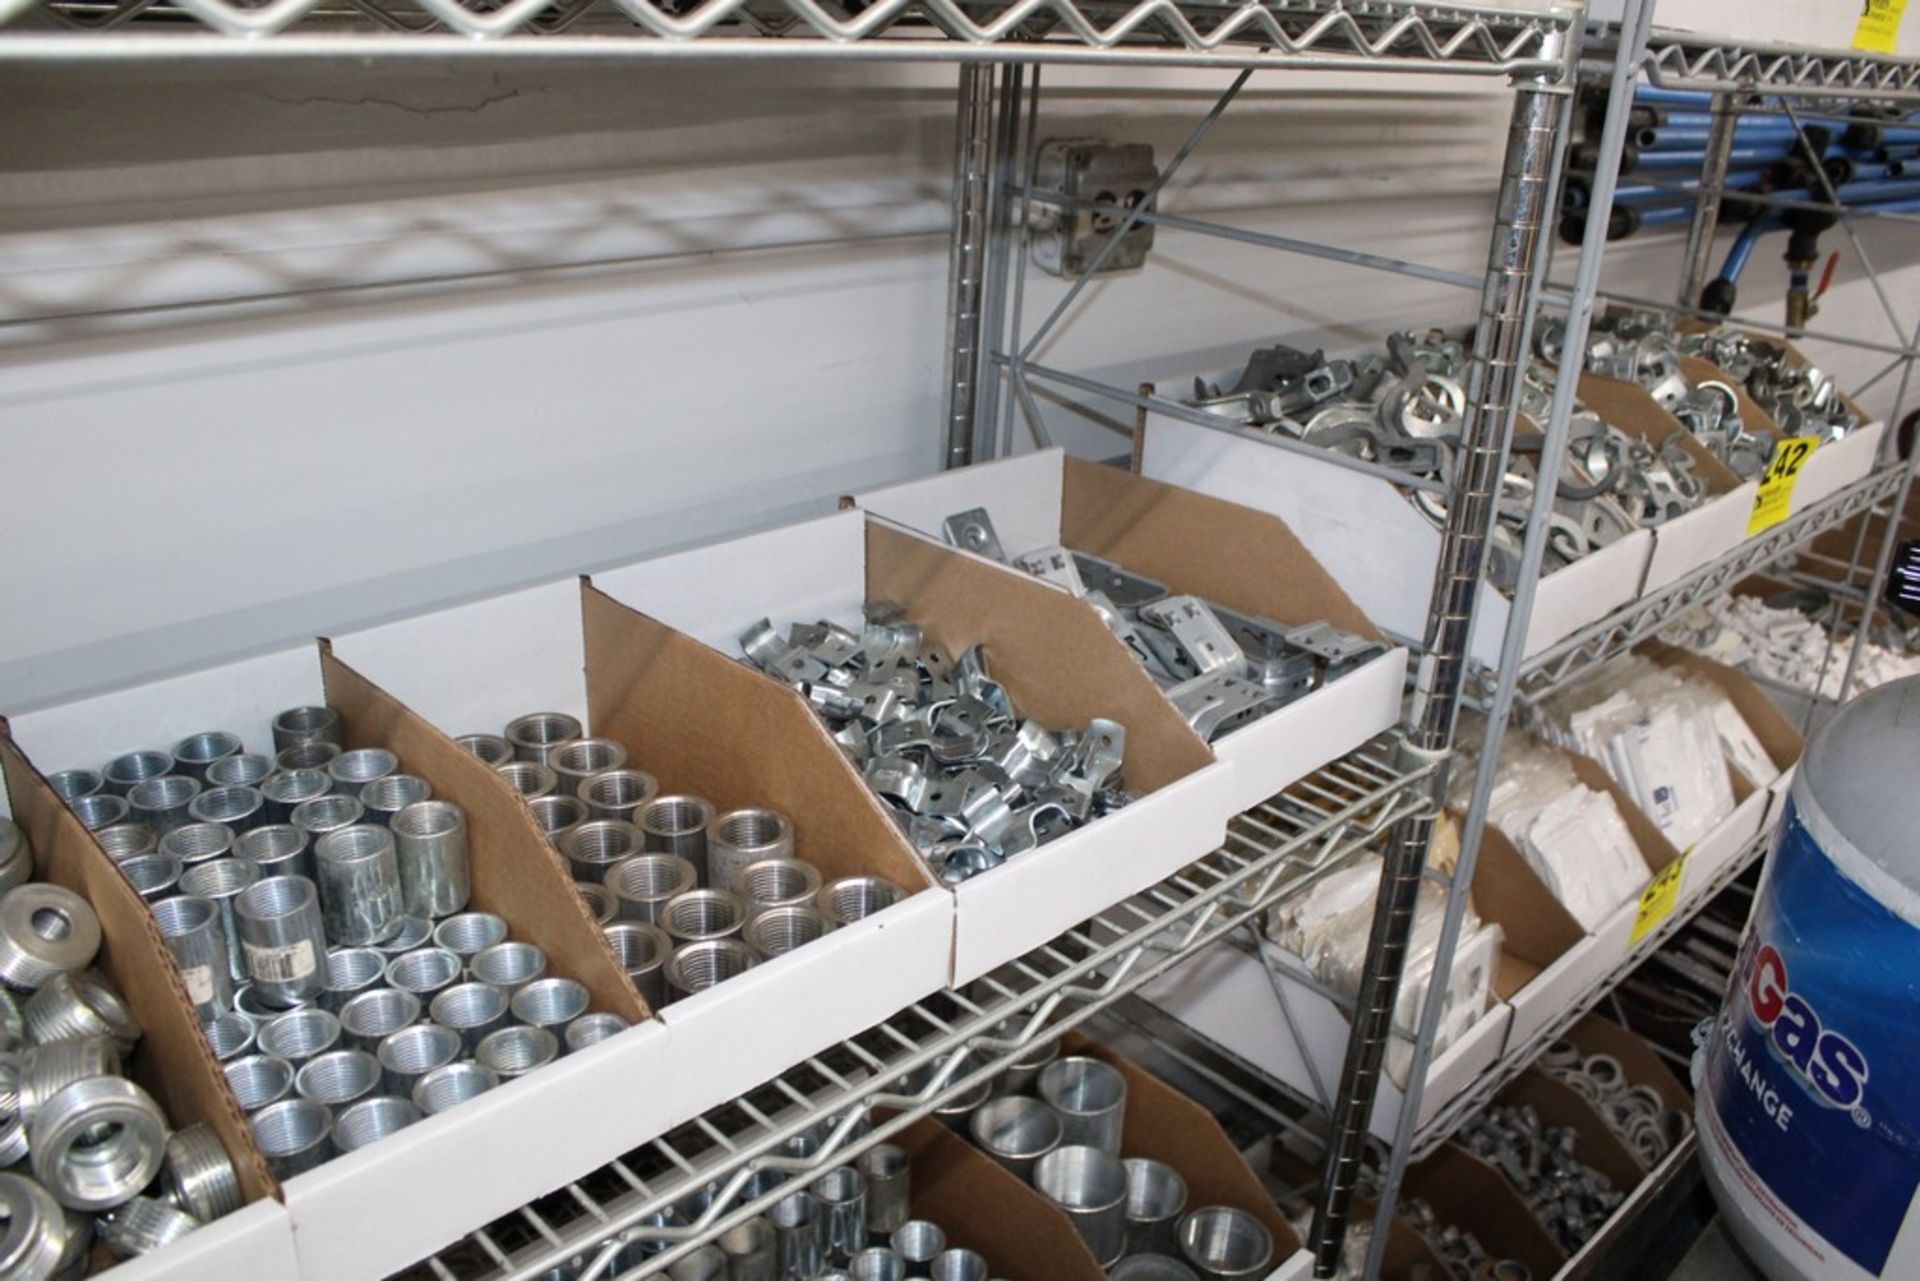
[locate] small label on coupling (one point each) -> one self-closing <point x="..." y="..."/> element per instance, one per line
<point x="286" y="964"/>
<point x="199" y="984"/>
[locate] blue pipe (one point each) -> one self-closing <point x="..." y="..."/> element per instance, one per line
<point x="1856" y="193"/>
<point x="1647" y="95"/>
<point x="1665" y="216"/>
<point x="1899" y="137"/>
<point x="1742" y="251"/>
<point x="1747" y="132"/>
<point x="1694" y="160"/>
<point x="1644" y="193"/>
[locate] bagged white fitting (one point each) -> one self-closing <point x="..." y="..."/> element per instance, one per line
<point x="1784" y="646"/>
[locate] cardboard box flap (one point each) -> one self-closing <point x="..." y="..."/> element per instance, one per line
<point x="1058" y="660"/>
<point x="1408" y="1256"/>
<point x="1165" y="1125"/>
<point x="173" y="1061"/>
<point x="1536" y="929"/>
<point x="1699" y="370"/>
<point x="515" y="870"/>
<point x="1632" y="409"/>
<point x="1208" y="547"/>
<point x="1473" y="1196"/>
<point x="985" y="1209"/>
<point x="1562" y="1107"/>
<point x="1639" y="1060"/>
<point x="683" y="708"/>
<point x="1782" y="739"/>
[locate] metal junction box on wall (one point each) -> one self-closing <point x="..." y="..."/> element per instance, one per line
<point x="1066" y="239"/>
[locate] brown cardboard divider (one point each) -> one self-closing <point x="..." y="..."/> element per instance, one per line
<point x="984" y="1208"/>
<point x="1202" y="546"/>
<point x="1779" y="735"/>
<point x="715" y="728"/>
<point x="1056" y="658"/>
<point x="516" y="872"/>
<point x="1408" y="1256"/>
<point x="1632" y="409"/>
<point x="1699" y="370"/>
<point x="1165" y="1125"/>
<point x="173" y="1061"/>
<point x="1471" y="1195"/>
<point x="1561" y="1106"/>
<point x="1535" y="929"/>
<point x="1642" y="1064"/>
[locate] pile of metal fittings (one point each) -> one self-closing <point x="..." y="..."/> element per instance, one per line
<point x="1570" y="1198"/>
<point x="687" y="896"/>
<point x="1059" y="1124"/>
<point x="971" y="782"/>
<point x="1406" y="410"/>
<point x="1802" y="399"/>
<point x="1635" y="1113"/>
<point x="1221" y="668"/>
<point x="1458" y="1250"/>
<point x="91" y="1152"/>
<point x="315" y="902"/>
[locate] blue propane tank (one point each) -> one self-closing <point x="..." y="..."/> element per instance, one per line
<point x="1809" y="1100"/>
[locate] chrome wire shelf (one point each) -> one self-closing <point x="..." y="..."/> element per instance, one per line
<point x="689" y="1186"/>
<point x="1641" y="619"/>
<point x="1676" y="60"/>
<point x="1462" y="39"/>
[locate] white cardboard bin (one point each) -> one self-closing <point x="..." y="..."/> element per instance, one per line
<point x="1225" y="994"/>
<point x="1375" y="544"/>
<point x="1025" y="498"/>
<point x="428" y="1168"/>
<point x="473" y="668"/>
<point x="817" y="569"/>
<point x="256" y="1241"/>
<point x="1833" y="467"/>
<point x="1704" y="534"/>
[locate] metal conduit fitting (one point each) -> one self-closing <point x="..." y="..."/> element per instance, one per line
<point x="338" y="1079"/>
<point x="299" y="1035"/>
<point x="199" y="1174"/>
<point x="529" y="778"/>
<point x="161" y="803"/>
<point x="740" y="838"/>
<point x="125" y="772"/>
<point x="324" y="815"/>
<point x="196" y="843"/>
<point x="259" y="1081"/>
<point x="33" y="1229"/>
<point x="1156" y="1202"/>
<point x="414" y="932"/>
<point x="889" y="1175"/>
<point x="16" y="856"/>
<point x="472" y="1011"/>
<point x="101" y="811"/>
<point x="776" y="882"/>
<point x="298" y="726"/>
<point x="646" y="883"/>
<point x="618" y="793"/>
<point x="238" y="807"/>
<point x="854" y="898"/>
<point x="695" y="967"/>
<point x="557" y="816"/>
<point x="699" y="916"/>
<point x="1016" y="1132"/>
<point x="230" y="1035"/>
<point x="221" y="883"/>
<point x="71" y="784"/>
<point x="509" y="965"/>
<point x="371" y="1120"/>
<point x="534" y="737"/>
<point x="602" y="906"/>
<point x="430" y="838"/>
<point x="591" y="1029"/>
<point x="120" y="842"/>
<point x="386" y="796"/>
<point x="1226" y="1244"/>
<point x="678" y="825"/>
<point x="360" y="893"/>
<point x="425" y="971"/>
<point x="78" y="1003"/>
<point x="44" y="930"/>
<point x="577" y="761"/>
<point x="1091" y="1098"/>
<point x="594" y="846"/>
<point x="153" y="876"/>
<point x="777" y="931"/>
<point x="490" y="749"/>
<point x="470" y="933"/>
<point x="450" y="1086"/>
<point x="191" y="928"/>
<point x="279" y="849"/>
<point x="294" y="1135"/>
<point x="250" y="769"/>
<point x="352" y="771"/>
<point x="283" y="940"/>
<point x="412" y="1052"/>
<point x="919" y="1242"/>
<point x="283" y="791"/>
<point x="348" y="972"/>
<point x="42" y="1071"/>
<point x="372" y="1016"/>
<point x="551" y="1003"/>
<point x="642" y="951"/>
<point x="515" y="1051"/>
<point x="1089" y="1186"/>
<point x="97" y="1142"/>
<point x="307" y="756"/>
<point x="144" y="1225"/>
<point x="194" y="753"/>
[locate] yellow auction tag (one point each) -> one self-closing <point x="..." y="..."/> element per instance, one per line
<point x="1659" y="899"/>
<point x="1879" y="27"/>
<point x="1774" y="502"/>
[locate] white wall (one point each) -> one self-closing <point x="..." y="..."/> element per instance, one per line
<point x="292" y="349"/>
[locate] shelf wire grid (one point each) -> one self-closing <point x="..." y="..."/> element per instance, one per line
<point x="1643" y="618"/>
<point x="637" y="1215"/>
<point x="1676" y="60"/>
<point x="1452" y="38"/>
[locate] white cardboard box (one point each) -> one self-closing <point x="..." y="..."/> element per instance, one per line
<point x="1704" y="534"/>
<point x="473" y="668"/>
<point x="1380" y="550"/>
<point x="428" y="1167"/>
<point x="1833" y="467"/>
<point x="818" y="569"/>
<point x="1026" y="498"/>
<point x="1226" y="995"/>
<point x="256" y="1241"/>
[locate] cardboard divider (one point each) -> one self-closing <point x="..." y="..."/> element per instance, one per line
<point x="1471" y="1195"/>
<point x="677" y="704"/>
<point x="1164" y="1125"/>
<point x="1561" y="1106"/>
<point x="1641" y="1062"/>
<point x="1408" y="1256"/>
<point x="515" y="870"/>
<point x="983" y="1208"/>
<point x="1057" y="659"/>
<point x="173" y="1061"/>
